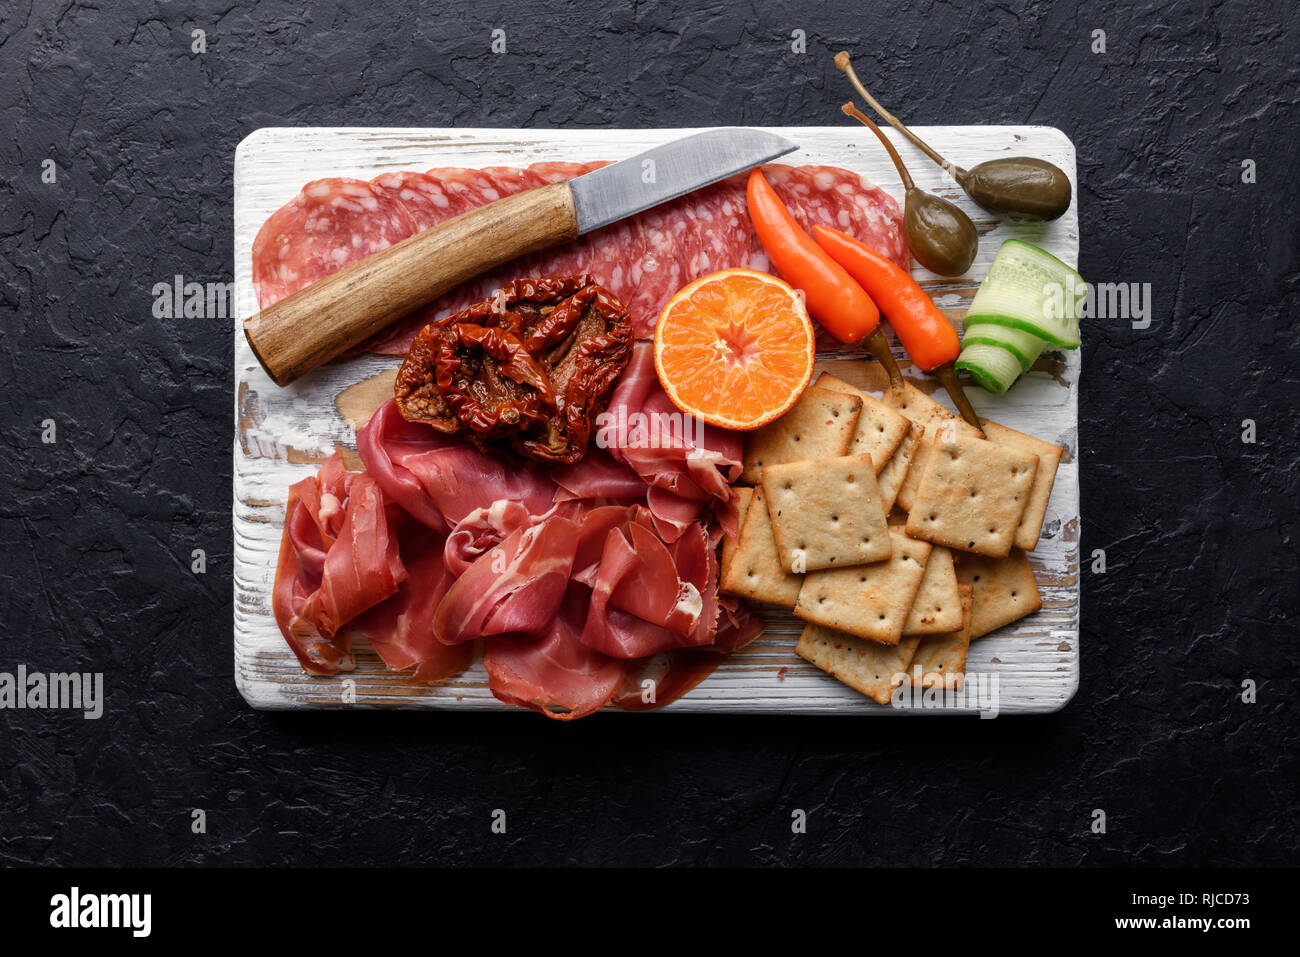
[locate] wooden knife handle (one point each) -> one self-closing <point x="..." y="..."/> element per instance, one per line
<point x="315" y="324"/>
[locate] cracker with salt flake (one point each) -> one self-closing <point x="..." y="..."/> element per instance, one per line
<point x="866" y="666"/>
<point x="1049" y="458"/>
<point x="869" y="601"/>
<point x="819" y="426"/>
<point x="826" y="514"/>
<point x="972" y="496"/>
<point x="754" y="571"/>
<point x="880" y="429"/>
<point x="937" y="606"/>
<point x="744" y="495"/>
<point x="1005" y="590"/>
<point x="931" y="422"/>
<point x="896" y="470"/>
<point x="940" y="660"/>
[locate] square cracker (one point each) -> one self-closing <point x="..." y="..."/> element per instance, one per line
<point x="894" y="474"/>
<point x="927" y="416"/>
<point x="937" y="606"/>
<point x="826" y="514"/>
<point x="972" y="496"/>
<point x="1049" y="457"/>
<point x="940" y="660"/>
<point x="744" y="496"/>
<point x="1005" y="590"/>
<point x="865" y="666"/>
<point x="880" y="429"/>
<point x="754" y="571"/>
<point x="819" y="426"/>
<point x="869" y="601"/>
<point x="920" y="458"/>
<point x="925" y="411"/>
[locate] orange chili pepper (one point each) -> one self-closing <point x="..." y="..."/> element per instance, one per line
<point x="923" y="330"/>
<point x="834" y="299"/>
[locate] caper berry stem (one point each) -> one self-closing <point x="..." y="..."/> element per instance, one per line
<point x="850" y="110"/>
<point x="842" y="62"/>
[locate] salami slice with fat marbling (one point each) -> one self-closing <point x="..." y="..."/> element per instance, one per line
<point x="330" y="224"/>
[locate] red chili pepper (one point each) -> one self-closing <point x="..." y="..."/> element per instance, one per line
<point x="924" y="331"/>
<point x="834" y="299"/>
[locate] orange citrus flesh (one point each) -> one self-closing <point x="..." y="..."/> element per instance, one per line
<point x="735" y="348"/>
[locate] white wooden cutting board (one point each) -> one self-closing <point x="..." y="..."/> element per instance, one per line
<point x="283" y="434"/>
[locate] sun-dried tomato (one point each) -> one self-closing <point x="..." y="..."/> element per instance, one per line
<point x="532" y="364"/>
<point x="489" y="380"/>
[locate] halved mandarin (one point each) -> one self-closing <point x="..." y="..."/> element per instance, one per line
<point x="735" y="348"/>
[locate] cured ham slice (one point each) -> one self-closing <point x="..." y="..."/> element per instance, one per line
<point x="481" y="530"/>
<point x="598" y="476"/>
<point x="338" y="558"/>
<point x="516" y="587"/>
<point x="440" y="478"/>
<point x="688" y="465"/>
<point x="555" y="674"/>
<point x="586" y="585"/>
<point x="400" y="628"/>
<point x="649" y="597"/>
<point x="642" y="260"/>
<point x="661" y="679"/>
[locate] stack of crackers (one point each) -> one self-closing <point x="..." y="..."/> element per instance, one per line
<point x="895" y="529"/>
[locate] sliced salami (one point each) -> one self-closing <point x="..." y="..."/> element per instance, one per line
<point x="466" y="189"/>
<point x="643" y="259"/>
<point x="330" y="224"/>
<point x="560" y="172"/>
<point x="668" y="241"/>
<point x="421" y="194"/>
<point x="512" y="179"/>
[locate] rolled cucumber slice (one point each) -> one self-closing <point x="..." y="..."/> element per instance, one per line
<point x="993" y="367"/>
<point x="1025" y="347"/>
<point x="1029" y="289"/>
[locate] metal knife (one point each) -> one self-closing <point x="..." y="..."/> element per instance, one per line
<point x="320" y="322"/>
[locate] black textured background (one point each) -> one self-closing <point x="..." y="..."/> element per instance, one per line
<point x="96" y="530"/>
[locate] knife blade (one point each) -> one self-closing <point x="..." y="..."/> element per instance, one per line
<point x="666" y="172"/>
<point x="324" y="320"/>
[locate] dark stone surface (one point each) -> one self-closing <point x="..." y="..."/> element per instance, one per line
<point x="96" y="529"/>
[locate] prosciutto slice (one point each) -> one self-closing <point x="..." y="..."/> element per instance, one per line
<point x="661" y="679"/>
<point x="400" y="628"/>
<point x="440" y="479"/>
<point x="338" y="558"/>
<point x="598" y="476"/>
<point x="515" y="587"/>
<point x="687" y="465"/>
<point x="647" y="596"/>
<point x="555" y="674"/>
<point x="588" y="585"/>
